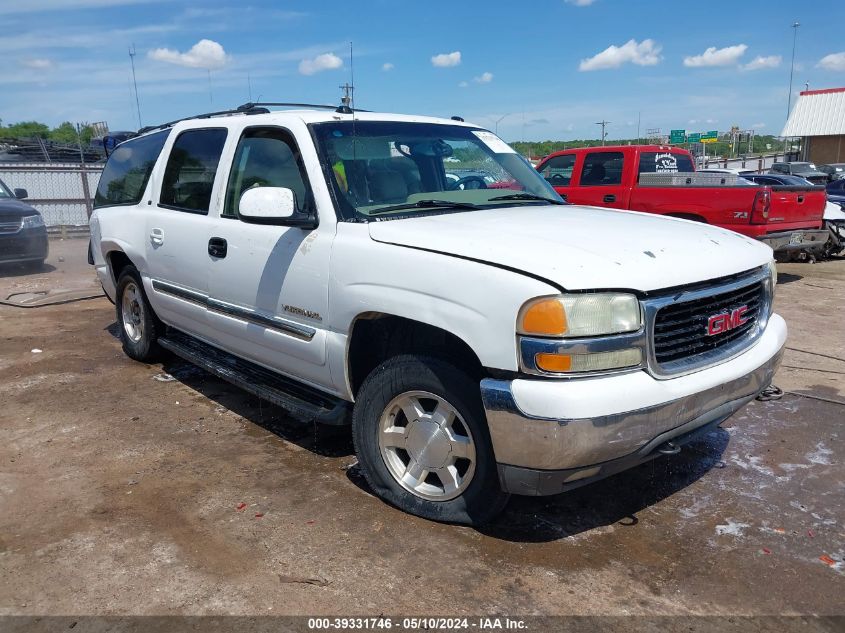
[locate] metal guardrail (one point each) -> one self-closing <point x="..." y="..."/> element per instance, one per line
<point x="63" y="193"/>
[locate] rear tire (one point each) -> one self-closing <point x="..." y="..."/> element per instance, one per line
<point x="422" y="441"/>
<point x="139" y="326"/>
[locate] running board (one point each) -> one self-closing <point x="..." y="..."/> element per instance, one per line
<point x="301" y="401"/>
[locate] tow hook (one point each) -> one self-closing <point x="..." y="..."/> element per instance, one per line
<point x="669" y="448"/>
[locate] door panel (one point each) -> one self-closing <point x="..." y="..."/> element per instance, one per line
<point x="269" y="293"/>
<point x="600" y="181"/>
<point x="178" y="229"/>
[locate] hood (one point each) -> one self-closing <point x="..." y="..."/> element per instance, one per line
<point x="583" y="248"/>
<point x="11" y="207"/>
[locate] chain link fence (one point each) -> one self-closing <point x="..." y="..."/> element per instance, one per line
<point x="63" y="193"/>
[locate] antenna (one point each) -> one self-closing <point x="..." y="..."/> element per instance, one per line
<point x="135" y="83"/>
<point x="249" y="84"/>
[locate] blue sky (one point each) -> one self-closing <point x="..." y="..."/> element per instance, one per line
<point x="551" y="68"/>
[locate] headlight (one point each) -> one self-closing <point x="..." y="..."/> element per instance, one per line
<point x="773" y="274"/>
<point x="571" y="316"/>
<point x="32" y="221"/>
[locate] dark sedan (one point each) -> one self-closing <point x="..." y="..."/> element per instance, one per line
<point x="23" y="236"/>
<point x="834" y="171"/>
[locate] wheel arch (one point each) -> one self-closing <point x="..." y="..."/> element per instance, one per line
<point x="377" y="336"/>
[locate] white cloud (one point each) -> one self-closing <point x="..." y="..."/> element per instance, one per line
<point x="645" y="53"/>
<point x="444" y="60"/>
<point x="580" y="3"/>
<point x="758" y="126"/>
<point x="834" y="61"/>
<point x="463" y="84"/>
<point x="204" y="54"/>
<point x="713" y="56"/>
<point x="387" y="67"/>
<point x="38" y="64"/>
<point x="483" y="78"/>
<point x="326" y="61"/>
<point x="760" y="62"/>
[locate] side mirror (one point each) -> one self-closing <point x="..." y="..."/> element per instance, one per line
<point x="267" y="204"/>
<point x="20" y="194"/>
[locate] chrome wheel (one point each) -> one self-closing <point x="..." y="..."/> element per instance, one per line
<point x="132" y="312"/>
<point x="427" y="446"/>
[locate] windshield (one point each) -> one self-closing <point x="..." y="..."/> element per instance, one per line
<point x="387" y="168"/>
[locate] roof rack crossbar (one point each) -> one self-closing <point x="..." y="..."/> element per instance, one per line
<point x="341" y="109"/>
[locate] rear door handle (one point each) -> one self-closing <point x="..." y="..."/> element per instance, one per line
<point x="217" y="247"/>
<point x="609" y="198"/>
<point x="157" y="237"/>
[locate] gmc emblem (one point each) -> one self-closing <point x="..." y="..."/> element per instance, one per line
<point x="720" y="323"/>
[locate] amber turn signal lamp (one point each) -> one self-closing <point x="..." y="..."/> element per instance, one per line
<point x="545" y="317"/>
<point x="556" y="363"/>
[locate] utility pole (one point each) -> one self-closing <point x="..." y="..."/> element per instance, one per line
<point x="795" y="26"/>
<point x="135" y="83"/>
<point x="348" y="94"/>
<point x="603" y="125"/>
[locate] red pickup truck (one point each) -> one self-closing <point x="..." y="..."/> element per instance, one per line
<point x="662" y="179"/>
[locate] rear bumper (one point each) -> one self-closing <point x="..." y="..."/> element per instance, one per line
<point x="553" y="435"/>
<point x="797" y="240"/>
<point x="27" y="245"/>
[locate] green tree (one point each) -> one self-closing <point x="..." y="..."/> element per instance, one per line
<point x="26" y="129"/>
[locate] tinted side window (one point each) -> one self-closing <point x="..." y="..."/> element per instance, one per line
<point x="266" y="158"/>
<point x="602" y="168"/>
<point x="664" y="163"/>
<point x="128" y="170"/>
<point x="558" y="170"/>
<point x="191" y="167"/>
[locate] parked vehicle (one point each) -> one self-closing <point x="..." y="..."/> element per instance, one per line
<point x="481" y="342"/>
<point x="725" y="170"/>
<point x="23" y="236"/>
<point x="662" y="179"/>
<point x="834" y="171"/>
<point x="795" y="187"/>
<point x="807" y="171"/>
<point x="836" y="192"/>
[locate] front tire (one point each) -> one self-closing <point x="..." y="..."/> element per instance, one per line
<point x="422" y="441"/>
<point x="139" y="326"/>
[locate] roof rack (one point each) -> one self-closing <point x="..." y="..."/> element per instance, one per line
<point x="341" y="109"/>
<point x="247" y="108"/>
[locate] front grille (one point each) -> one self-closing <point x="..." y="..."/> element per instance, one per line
<point x="680" y="329"/>
<point x="9" y="225"/>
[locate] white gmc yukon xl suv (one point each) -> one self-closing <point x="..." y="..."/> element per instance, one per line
<point x="418" y="278"/>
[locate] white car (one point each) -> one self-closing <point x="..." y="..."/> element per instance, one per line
<point x="481" y="341"/>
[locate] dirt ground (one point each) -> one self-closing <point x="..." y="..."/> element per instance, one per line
<point x="121" y="492"/>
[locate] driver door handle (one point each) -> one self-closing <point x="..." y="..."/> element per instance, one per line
<point x="217" y="247"/>
<point x="609" y="198"/>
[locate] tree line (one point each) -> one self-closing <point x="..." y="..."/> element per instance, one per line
<point x="63" y="133"/>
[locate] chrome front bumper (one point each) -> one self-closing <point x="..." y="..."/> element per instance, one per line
<point x="552" y="435"/>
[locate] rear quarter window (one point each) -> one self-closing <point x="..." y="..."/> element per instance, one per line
<point x="128" y="169"/>
<point x="665" y="163"/>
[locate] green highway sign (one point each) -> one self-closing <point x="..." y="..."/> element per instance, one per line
<point x="710" y="136"/>
<point x="694" y="137"/>
<point x="677" y="136"/>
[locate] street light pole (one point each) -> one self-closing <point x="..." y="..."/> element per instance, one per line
<point x="496" y="129"/>
<point x="795" y="26"/>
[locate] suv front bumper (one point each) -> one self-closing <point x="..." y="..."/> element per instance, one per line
<point x="553" y="435"/>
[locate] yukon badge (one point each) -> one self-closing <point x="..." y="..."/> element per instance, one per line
<point x="308" y="314"/>
<point x="721" y="323"/>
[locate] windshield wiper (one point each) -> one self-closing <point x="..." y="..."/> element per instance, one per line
<point x="426" y="204"/>
<point x="527" y="196"/>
